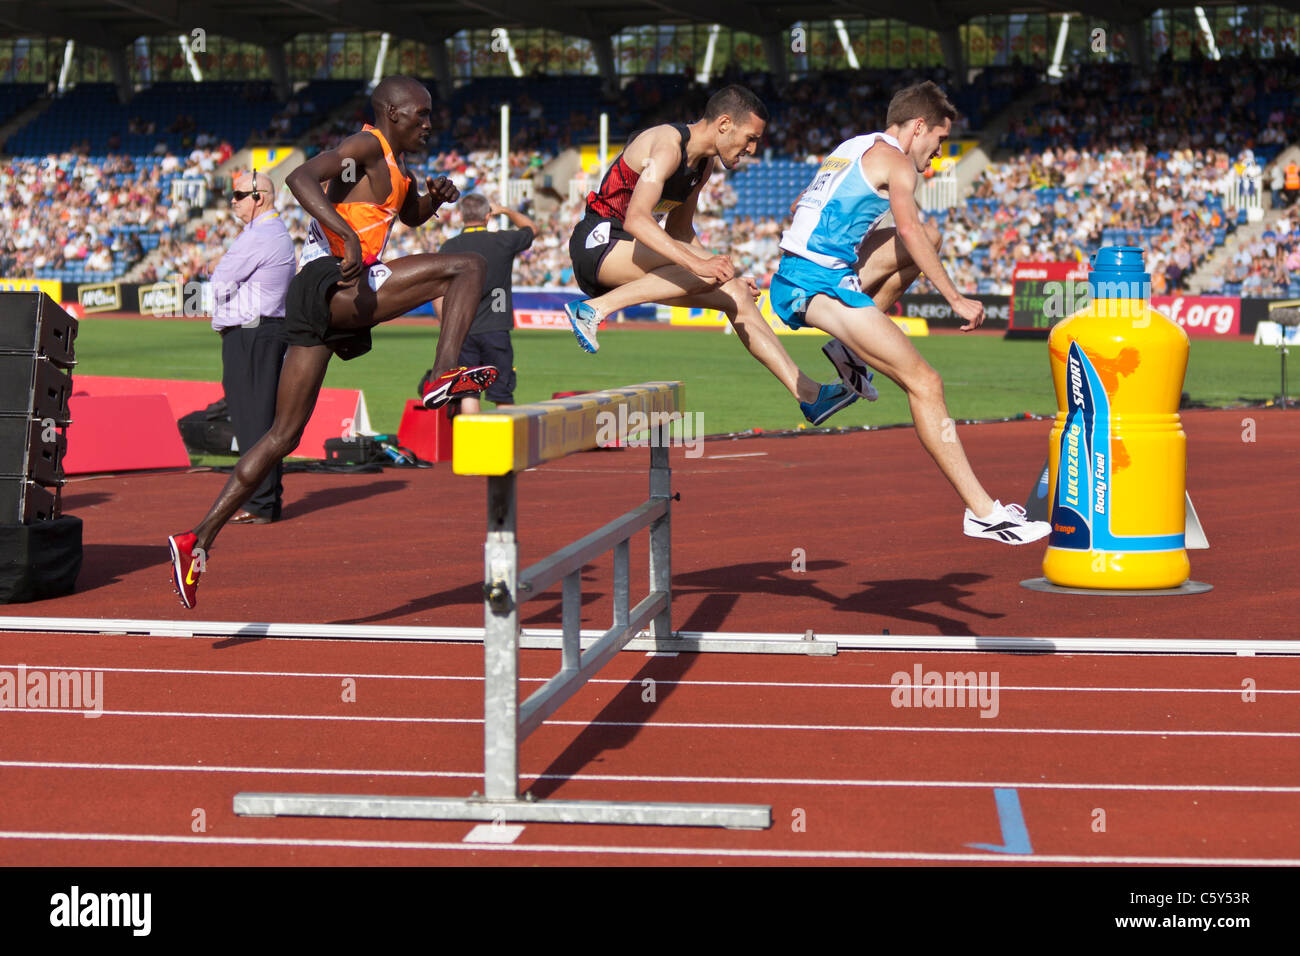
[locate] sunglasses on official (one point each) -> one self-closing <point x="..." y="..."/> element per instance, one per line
<point x="239" y="195"/>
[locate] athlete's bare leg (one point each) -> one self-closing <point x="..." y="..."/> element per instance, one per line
<point x="882" y="344"/>
<point x="885" y="267"/>
<point x="637" y="275"/>
<point x="413" y="281"/>
<point x="471" y="406"/>
<point x="300" y="381"/>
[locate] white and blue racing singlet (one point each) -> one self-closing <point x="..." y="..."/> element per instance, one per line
<point x="838" y="208"/>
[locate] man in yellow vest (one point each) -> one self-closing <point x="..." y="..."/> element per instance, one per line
<point x="1291" y="185"/>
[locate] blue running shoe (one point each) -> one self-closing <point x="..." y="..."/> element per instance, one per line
<point x="584" y="320"/>
<point x="829" y="401"/>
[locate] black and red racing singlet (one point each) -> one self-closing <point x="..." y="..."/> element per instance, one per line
<point x="611" y="200"/>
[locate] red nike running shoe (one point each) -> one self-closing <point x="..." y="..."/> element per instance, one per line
<point x="458" y="382"/>
<point x="187" y="564"/>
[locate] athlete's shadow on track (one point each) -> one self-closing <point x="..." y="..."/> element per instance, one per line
<point x="323" y="498"/>
<point x="723" y="587"/>
<point x="902" y="598"/>
<point x="80" y="500"/>
<point x="629" y="706"/>
<point x="899" y="599"/>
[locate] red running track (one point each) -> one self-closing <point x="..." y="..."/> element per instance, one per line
<point x="1178" y="761"/>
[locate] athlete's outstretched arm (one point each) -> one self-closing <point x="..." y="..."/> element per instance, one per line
<point x="680" y="225"/>
<point x="902" y="203"/>
<point x="346" y="163"/>
<point x="640" y="221"/>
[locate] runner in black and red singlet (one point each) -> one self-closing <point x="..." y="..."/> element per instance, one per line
<point x="342" y="290"/>
<point x="623" y="257"/>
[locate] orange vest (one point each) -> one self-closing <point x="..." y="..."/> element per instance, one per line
<point x="1292" y="176"/>
<point x="372" y="222"/>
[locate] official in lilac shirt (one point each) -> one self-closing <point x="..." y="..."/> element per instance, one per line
<point x="249" y="286"/>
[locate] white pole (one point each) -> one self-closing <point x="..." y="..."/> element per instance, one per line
<point x="1059" y="54"/>
<point x="604" y="143"/>
<point x="505" y="154"/>
<point x="380" y="57"/>
<point x="68" y="49"/>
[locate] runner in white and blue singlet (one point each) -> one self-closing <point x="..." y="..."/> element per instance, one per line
<point x="842" y="270"/>
<point x="832" y="217"/>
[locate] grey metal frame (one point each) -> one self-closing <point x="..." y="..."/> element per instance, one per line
<point x="506" y="721"/>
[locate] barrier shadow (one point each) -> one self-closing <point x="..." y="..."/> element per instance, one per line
<point x="472" y="594"/>
<point x="628" y="706"/>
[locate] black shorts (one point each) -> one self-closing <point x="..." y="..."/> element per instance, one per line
<point x="592" y="238"/>
<point x="492" y="348"/>
<point x="307" y="311"/>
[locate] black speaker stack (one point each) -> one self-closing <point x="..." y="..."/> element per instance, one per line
<point x="40" y="547"/>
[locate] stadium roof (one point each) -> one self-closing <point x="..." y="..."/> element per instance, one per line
<point x="114" y="23"/>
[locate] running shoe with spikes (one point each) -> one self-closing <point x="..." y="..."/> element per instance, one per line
<point x="188" y="562"/>
<point x="458" y="383"/>
<point x="854" y="372"/>
<point x="584" y="320"/>
<point x="1007" y="523"/>
<point x="830" y="400"/>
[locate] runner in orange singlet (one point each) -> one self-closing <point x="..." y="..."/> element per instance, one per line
<point x="342" y="290"/>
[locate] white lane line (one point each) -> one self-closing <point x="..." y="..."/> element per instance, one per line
<point x="655" y="778"/>
<point x="493" y="833"/>
<point x="817" y="685"/>
<point x="649" y="850"/>
<point x="670" y="725"/>
<point x="746" y="454"/>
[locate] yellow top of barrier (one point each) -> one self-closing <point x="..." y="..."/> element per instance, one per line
<point x="521" y="436"/>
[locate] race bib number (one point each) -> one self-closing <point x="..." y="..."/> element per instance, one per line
<point x="315" y="246"/>
<point x="598" y="236"/>
<point x="819" y="189"/>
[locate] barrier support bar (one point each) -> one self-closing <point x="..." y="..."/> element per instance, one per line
<point x="509" y="441"/>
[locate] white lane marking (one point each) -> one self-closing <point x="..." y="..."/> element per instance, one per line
<point x="818" y="685"/>
<point x="648" y="850"/>
<point x="747" y="454"/>
<point x="656" y="778"/>
<point x="493" y="833"/>
<point x="673" y="725"/>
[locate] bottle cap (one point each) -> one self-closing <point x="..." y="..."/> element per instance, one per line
<point x="1117" y="273"/>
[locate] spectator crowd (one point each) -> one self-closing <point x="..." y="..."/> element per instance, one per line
<point x="1109" y="155"/>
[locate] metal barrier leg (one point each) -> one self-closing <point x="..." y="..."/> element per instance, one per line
<point x="501" y="644"/>
<point x="661" y="534"/>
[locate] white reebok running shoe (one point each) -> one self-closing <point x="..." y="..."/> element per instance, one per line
<point x="1007" y="524"/>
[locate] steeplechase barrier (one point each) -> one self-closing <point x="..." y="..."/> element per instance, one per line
<point x="499" y="445"/>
